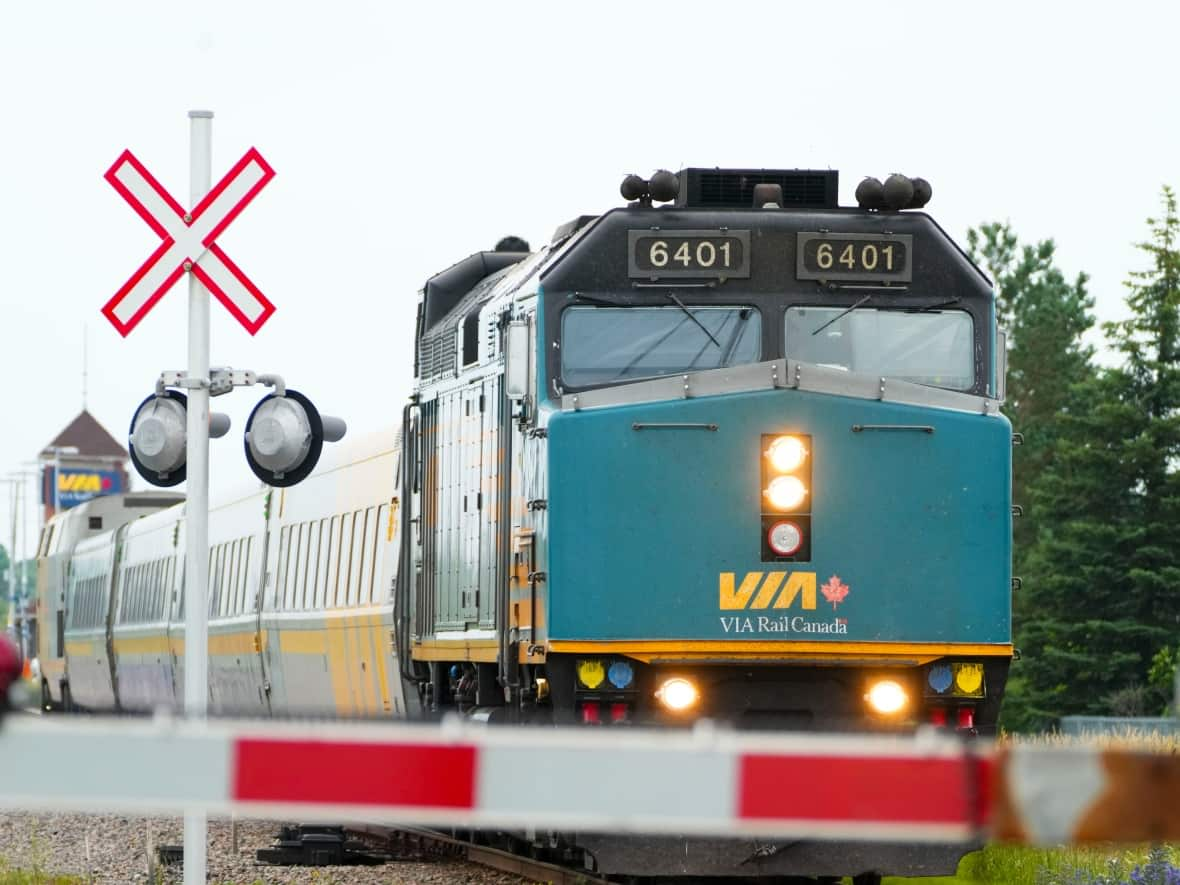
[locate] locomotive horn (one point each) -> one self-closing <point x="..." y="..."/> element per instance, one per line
<point x="898" y="191"/>
<point x="870" y="194"/>
<point x="664" y="186"/>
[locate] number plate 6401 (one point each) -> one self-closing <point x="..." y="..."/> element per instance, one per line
<point x="707" y="254"/>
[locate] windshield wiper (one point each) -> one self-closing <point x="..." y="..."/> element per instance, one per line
<point x="688" y="313"/>
<point x="842" y="314"/>
<point x="594" y="299"/>
<point x="929" y="308"/>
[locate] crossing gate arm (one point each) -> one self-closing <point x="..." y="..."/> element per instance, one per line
<point x="701" y="782"/>
<point x="931" y="787"/>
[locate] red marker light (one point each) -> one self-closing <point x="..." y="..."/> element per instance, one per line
<point x="966" y="718"/>
<point x="785" y="538"/>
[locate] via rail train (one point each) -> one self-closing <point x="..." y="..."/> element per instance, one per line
<point x="730" y="451"/>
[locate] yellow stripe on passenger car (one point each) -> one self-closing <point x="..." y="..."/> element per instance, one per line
<point x="366" y="632"/>
<point x="302" y="642"/>
<point x="236" y="643"/>
<point x="356" y="682"/>
<point x="142" y="645"/>
<point x="336" y="666"/>
<point x="382" y="674"/>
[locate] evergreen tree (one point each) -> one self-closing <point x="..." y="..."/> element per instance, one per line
<point x="1045" y="316"/>
<point x="1104" y="572"/>
<point x="5" y="582"/>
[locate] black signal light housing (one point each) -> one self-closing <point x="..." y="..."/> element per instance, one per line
<point x="785" y="530"/>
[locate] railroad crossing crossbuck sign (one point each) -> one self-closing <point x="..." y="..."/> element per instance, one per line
<point x="188" y="242"/>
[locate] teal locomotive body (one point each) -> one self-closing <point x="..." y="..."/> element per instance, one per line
<point x="737" y="457"/>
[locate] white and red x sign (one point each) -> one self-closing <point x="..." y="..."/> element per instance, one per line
<point x="188" y="242"/>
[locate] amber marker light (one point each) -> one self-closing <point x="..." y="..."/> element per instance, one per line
<point x="787" y="454"/>
<point x="786" y="492"/>
<point x="591" y="673"/>
<point x="887" y="697"/>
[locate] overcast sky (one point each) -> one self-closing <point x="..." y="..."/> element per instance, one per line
<point x="406" y="136"/>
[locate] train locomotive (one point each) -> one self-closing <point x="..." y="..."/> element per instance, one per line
<point x="728" y="452"/>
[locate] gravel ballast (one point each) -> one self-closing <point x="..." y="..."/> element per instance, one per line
<point x="114" y="849"/>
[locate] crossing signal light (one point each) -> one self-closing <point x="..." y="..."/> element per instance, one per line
<point x="159" y="437"/>
<point x="285" y="435"/>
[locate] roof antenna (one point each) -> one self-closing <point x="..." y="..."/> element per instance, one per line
<point x="85" y="355"/>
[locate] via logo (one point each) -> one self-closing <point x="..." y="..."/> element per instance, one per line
<point x="761" y="590"/>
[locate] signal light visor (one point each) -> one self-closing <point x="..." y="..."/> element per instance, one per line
<point x="887" y="697"/>
<point x="785" y="538"/>
<point x="786" y="493"/>
<point x="787" y="454"/>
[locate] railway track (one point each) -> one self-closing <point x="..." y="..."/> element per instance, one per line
<point x="485" y="855"/>
<point x="373" y="844"/>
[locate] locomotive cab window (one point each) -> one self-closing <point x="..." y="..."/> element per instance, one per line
<point x="604" y="345"/>
<point x="933" y="347"/>
<point x="470" y="336"/>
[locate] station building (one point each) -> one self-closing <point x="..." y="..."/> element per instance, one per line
<point x="82" y="462"/>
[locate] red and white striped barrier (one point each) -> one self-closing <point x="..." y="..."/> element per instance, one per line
<point x="931" y="787"/>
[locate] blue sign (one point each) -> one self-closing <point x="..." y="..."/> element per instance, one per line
<point x="75" y="485"/>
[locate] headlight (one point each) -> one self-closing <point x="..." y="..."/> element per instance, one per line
<point x="678" y="694"/>
<point x="887" y="697"/>
<point x="786" y="492"/>
<point x="591" y="673"/>
<point x="787" y="454"/>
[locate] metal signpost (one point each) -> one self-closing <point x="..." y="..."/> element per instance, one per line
<point x="188" y="245"/>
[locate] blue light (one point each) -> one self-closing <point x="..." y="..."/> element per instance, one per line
<point x="620" y="674"/>
<point x="940" y="677"/>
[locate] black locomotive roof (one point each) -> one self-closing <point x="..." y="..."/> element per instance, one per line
<point x="598" y="261"/>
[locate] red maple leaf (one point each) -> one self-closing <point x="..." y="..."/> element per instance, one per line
<point x="834" y="591"/>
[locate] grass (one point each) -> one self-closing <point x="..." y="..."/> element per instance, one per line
<point x="1023" y="865"/>
<point x="35" y="876"/>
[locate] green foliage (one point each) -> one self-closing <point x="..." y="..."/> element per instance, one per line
<point x="35" y="876"/>
<point x="1023" y="865"/>
<point x="1102" y="566"/>
<point x="4" y="582"/>
<point x="1161" y="676"/>
<point x="1045" y="316"/>
<point x="1049" y="368"/>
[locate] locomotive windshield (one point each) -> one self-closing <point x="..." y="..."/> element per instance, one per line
<point x="602" y="345"/>
<point x="932" y="347"/>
